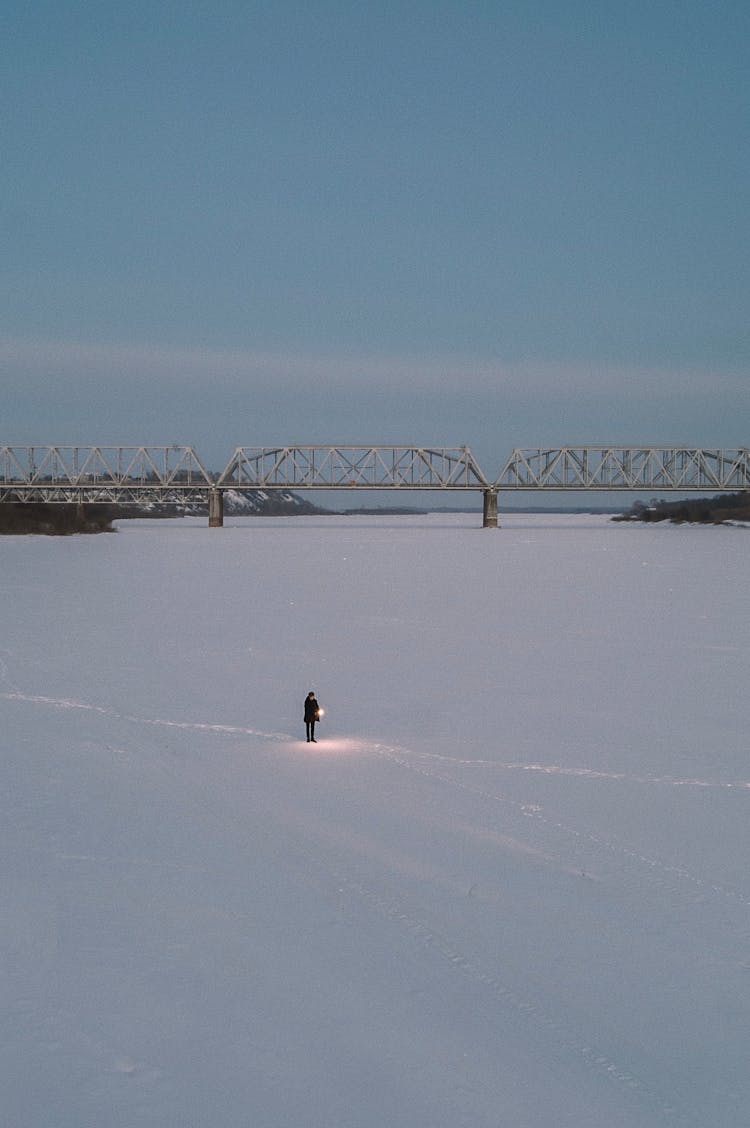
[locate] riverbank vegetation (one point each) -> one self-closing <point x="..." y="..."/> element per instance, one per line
<point x="18" y="518"/>
<point x="717" y="510"/>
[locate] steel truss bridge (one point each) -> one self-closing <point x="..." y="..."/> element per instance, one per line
<point x="137" y="475"/>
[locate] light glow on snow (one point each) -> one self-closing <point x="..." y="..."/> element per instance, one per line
<point x="336" y="746"/>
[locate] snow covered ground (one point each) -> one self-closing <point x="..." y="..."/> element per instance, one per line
<point x="509" y="886"/>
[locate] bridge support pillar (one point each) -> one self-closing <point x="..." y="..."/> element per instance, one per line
<point x="489" y="509"/>
<point x="215" y="509"/>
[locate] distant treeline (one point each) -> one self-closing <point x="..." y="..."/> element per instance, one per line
<point x="703" y="511"/>
<point x="62" y="519"/>
<point x="55" y="520"/>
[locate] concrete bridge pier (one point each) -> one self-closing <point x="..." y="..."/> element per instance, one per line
<point x="489" y="509"/>
<point x="215" y="509"/>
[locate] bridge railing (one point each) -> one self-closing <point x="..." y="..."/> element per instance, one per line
<point x="626" y="468"/>
<point x="340" y="467"/>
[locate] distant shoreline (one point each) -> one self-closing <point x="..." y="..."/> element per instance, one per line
<point x="411" y="511"/>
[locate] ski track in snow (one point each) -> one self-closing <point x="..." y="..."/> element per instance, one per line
<point x="593" y="773"/>
<point x="241" y="730"/>
<point x="450" y="952"/>
<point x="232" y="730"/>
<point x="414" y="761"/>
<point x="658" y="872"/>
<point x="531" y="1012"/>
<point x="103" y="710"/>
<point x="427" y="936"/>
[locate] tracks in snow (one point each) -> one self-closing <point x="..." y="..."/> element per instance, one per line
<point x="441" y="945"/>
<point x="586" y="773"/>
<point x="658" y="873"/>
<point x="159" y="722"/>
<point x="422" y="763"/>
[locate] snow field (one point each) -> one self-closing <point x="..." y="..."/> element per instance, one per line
<point x="507" y="887"/>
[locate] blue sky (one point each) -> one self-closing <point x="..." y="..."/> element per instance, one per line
<point x="499" y="224"/>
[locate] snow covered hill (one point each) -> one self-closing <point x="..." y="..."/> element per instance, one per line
<point x="237" y="503"/>
<point x="270" y="502"/>
<point x="507" y="888"/>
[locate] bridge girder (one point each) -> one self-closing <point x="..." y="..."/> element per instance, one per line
<point x="323" y="467"/>
<point x="626" y="468"/>
<point x="94" y="468"/>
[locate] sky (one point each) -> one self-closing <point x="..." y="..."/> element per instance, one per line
<point x="492" y="224"/>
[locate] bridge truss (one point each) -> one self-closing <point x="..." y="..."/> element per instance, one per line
<point x="175" y="474"/>
<point x="626" y="468"/>
<point x="120" y="475"/>
<point x="361" y="467"/>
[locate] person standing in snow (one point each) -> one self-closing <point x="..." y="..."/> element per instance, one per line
<point x="312" y="714"/>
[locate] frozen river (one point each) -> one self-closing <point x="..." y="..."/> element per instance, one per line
<point x="508" y="888"/>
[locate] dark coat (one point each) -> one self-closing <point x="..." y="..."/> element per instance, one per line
<point x="312" y="709"/>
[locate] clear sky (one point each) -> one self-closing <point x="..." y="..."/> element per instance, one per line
<point x="495" y="224"/>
